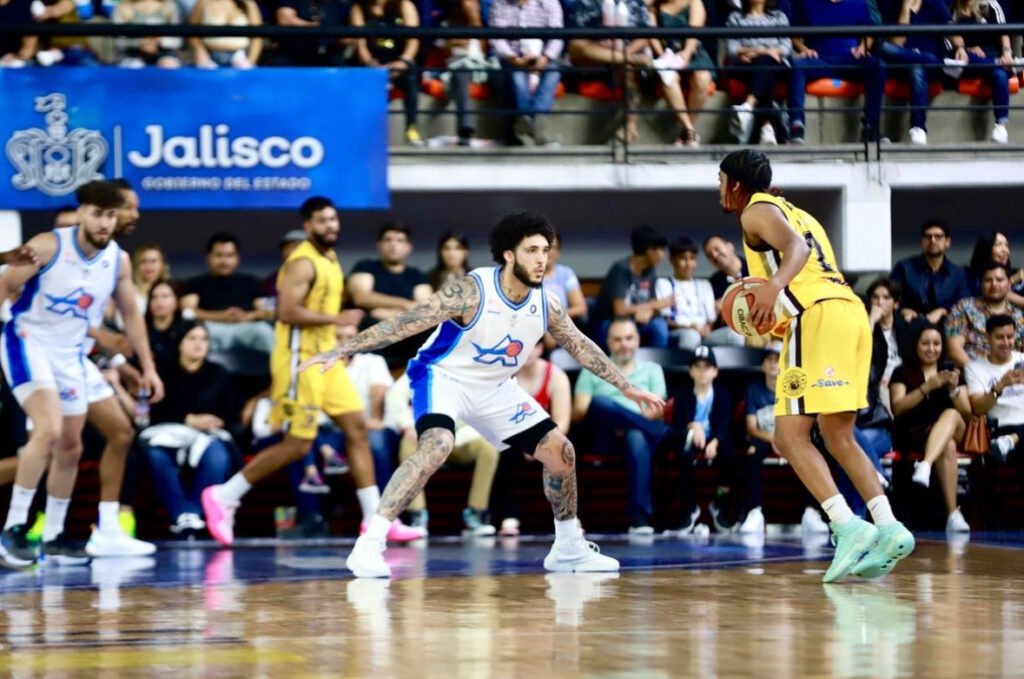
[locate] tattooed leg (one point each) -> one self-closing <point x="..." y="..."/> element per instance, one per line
<point x="558" y="456"/>
<point x="412" y="475"/>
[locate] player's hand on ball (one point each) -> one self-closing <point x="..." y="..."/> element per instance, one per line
<point x="762" y="311"/>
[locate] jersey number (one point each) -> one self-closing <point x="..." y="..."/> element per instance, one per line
<point x="813" y="243"/>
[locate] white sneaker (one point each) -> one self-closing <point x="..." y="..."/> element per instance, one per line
<point x="956" y="523"/>
<point x="918" y="137"/>
<point x="768" y="135"/>
<point x="754" y="523"/>
<point x="1004" y="444"/>
<point x="509" y="527"/>
<point x="742" y="123"/>
<point x="367" y="559"/>
<point x="576" y="555"/>
<point x="812" y="524"/>
<point x="1000" y="135"/>
<point x="922" y="473"/>
<point x="116" y="543"/>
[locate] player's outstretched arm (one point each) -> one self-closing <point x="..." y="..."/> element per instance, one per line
<point x="456" y="299"/>
<point x="590" y="356"/>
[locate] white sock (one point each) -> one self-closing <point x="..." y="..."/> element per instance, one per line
<point x="21" y="502"/>
<point x="369" y="500"/>
<point x="234" y="489"/>
<point x="838" y="511"/>
<point x="378" y="528"/>
<point x="108" y="517"/>
<point x="567" y="529"/>
<point x="923" y="469"/>
<point x="56" y="512"/>
<point x="880" y="510"/>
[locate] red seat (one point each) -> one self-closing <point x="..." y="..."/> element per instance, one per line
<point x="602" y="91"/>
<point x="834" y="87"/>
<point x="978" y="87"/>
<point x="900" y="89"/>
<point x="737" y="89"/>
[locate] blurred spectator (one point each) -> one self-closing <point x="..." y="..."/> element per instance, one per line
<point x="989" y="56"/>
<point x="65" y="216"/>
<point x="66" y="50"/>
<point x="286" y="246"/>
<point x="607" y="411"/>
<point x="995" y="247"/>
<point x="396" y="55"/>
<point x="830" y="56"/>
<point x="760" y="427"/>
<point x="308" y="51"/>
<point x="151" y="51"/>
<point x="452" y="259"/>
<point x="764" y="60"/>
<point x="128" y="214"/>
<point x="530" y="65"/>
<point x="562" y="282"/>
<point x="692" y="314"/>
<point x="17" y="50"/>
<point x="918" y="58"/>
<point x="387" y="286"/>
<point x="701" y="421"/>
<point x="149" y="266"/>
<point x="189" y="443"/>
<point x="627" y="290"/>
<point x="931" y="283"/>
<point x="466" y="64"/>
<point x="679" y="60"/>
<point x="890" y="334"/>
<point x="227" y="301"/>
<point x="996" y="385"/>
<point x="163" y="321"/>
<point x="730" y="268"/>
<point x="222" y="51"/>
<point x="965" y="327"/>
<point x="929" y="408"/>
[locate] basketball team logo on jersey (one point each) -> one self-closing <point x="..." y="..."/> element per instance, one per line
<point x="506" y="352"/>
<point x="76" y="304"/>
<point x="794" y="382"/>
<point x="523" y="410"/>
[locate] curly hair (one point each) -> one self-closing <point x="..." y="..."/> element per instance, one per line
<point x="511" y="229"/>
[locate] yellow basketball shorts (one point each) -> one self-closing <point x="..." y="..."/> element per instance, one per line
<point x="825" y="361"/>
<point x="299" y="398"/>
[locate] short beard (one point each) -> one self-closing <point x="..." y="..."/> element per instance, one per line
<point x="320" y="241"/>
<point x="96" y="244"/>
<point x="521" y="274"/>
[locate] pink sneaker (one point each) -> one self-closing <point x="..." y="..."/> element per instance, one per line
<point x="399" y="532"/>
<point x="220" y="517"/>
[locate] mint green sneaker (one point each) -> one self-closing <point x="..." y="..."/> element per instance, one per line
<point x="852" y="539"/>
<point x="894" y="542"/>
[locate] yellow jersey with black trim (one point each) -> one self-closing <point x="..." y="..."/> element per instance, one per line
<point x="818" y="280"/>
<point x="324" y="296"/>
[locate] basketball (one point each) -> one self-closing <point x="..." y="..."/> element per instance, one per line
<point x="736" y="304"/>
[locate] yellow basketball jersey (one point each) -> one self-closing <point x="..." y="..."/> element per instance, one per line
<point x="324" y="296"/>
<point x="820" y="278"/>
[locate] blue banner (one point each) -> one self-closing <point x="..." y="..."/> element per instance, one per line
<point x="195" y="139"/>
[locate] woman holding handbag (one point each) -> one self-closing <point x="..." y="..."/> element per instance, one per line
<point x="930" y="408"/>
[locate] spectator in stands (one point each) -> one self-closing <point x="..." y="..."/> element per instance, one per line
<point x="890" y="334"/>
<point x="466" y="64"/>
<point x="470" y="448"/>
<point x="398" y="56"/>
<point x="765" y="60"/>
<point x="989" y="56"/>
<point x="562" y="282"/>
<point x="966" y="325"/>
<point x="66" y="50"/>
<point x="701" y="420"/>
<point x="995" y="247"/>
<point x="692" y="314"/>
<point x="930" y="406"/>
<point x="151" y="51"/>
<point x="691" y="59"/>
<point x="531" y="65"/>
<point x="931" y="284"/>
<point x="286" y="246"/>
<point x="730" y="268"/>
<point x="628" y="289"/>
<point x="227" y="301"/>
<point x="223" y="51"/>
<point x="387" y="286"/>
<point x="848" y="57"/>
<point x="16" y="50"/>
<point x="190" y="430"/>
<point x="452" y="259"/>
<point x="996" y="386"/>
<point x="606" y="411"/>
<point x="128" y="214"/>
<point x="163" y="321"/>
<point x="307" y="51"/>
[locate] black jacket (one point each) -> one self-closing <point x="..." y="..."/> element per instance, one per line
<point x="721" y="414"/>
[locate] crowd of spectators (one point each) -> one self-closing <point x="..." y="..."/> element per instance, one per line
<point x="527" y="74"/>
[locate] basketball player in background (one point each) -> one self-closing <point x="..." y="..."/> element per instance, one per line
<point x="825" y="360"/>
<point x="487" y="322"/>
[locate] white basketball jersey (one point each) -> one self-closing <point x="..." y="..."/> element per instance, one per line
<point x="58" y="304"/>
<point x="495" y="343"/>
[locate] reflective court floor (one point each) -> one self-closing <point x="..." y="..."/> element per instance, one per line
<point x="686" y="608"/>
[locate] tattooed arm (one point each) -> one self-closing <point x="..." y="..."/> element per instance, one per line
<point x="458" y="298"/>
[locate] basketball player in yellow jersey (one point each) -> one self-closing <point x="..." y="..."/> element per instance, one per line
<point x="824" y="364"/>
<point x="309" y="288"/>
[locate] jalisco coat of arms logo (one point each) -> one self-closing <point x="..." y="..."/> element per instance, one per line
<point x="56" y="160"/>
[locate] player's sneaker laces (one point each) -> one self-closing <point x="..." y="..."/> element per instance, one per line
<point x="61" y="551"/>
<point x="15" y="551"/>
<point x="852" y="539"/>
<point x="367" y="559"/>
<point x="220" y="516"/>
<point x="115" y="543"/>
<point x="577" y="555"/>
<point x="894" y="542"/>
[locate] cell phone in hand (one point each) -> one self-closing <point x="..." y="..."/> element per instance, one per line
<point x="947" y="365"/>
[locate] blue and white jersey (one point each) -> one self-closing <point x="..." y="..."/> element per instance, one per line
<point x="59" y="304"/>
<point x="494" y="344"/>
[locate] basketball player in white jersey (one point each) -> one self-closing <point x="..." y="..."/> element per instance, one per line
<point x="487" y="323"/>
<point x="42" y="355"/>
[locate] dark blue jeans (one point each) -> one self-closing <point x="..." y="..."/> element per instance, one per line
<point x="914" y="65"/>
<point x="213" y="468"/>
<point x="605" y="417"/>
<point x="998" y="79"/>
<point x="871" y="73"/>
